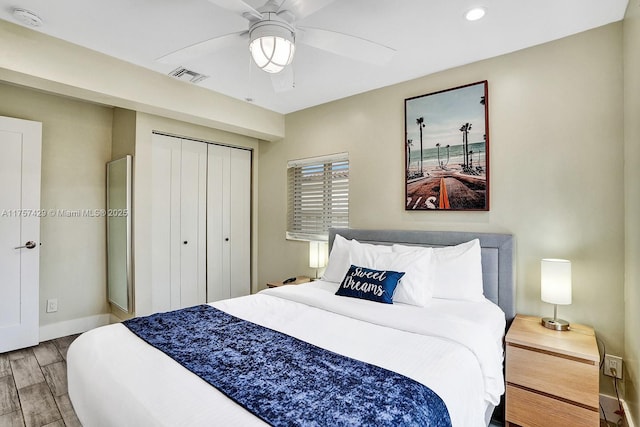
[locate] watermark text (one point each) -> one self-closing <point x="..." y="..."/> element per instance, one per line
<point x="63" y="213"/>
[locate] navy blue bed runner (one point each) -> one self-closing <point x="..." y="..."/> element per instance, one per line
<point x="286" y="381"/>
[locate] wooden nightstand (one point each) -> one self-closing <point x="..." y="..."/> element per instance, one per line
<point x="552" y="376"/>
<point x="299" y="280"/>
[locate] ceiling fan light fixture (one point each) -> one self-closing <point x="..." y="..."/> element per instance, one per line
<point x="272" y="45"/>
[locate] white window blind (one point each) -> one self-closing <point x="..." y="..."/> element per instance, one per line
<point x="318" y="196"/>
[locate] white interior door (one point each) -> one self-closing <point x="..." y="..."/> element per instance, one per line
<point x="193" y="224"/>
<point x="240" y="222"/>
<point x="20" y="168"/>
<point x="165" y="262"/>
<point x="178" y="223"/>
<point x="228" y="223"/>
<point x="218" y="273"/>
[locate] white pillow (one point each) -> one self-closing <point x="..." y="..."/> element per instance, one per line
<point x="365" y="254"/>
<point x="457" y="270"/>
<point x="345" y="252"/>
<point x="416" y="286"/>
<point x="339" y="260"/>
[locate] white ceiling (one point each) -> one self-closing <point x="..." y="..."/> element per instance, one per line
<point x="427" y="35"/>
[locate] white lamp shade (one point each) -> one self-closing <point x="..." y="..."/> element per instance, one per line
<point x="317" y="254"/>
<point x="271" y="45"/>
<point x="555" y="281"/>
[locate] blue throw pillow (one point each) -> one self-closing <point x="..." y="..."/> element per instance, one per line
<point x="369" y="284"/>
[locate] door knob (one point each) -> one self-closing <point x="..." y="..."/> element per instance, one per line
<point x="29" y="245"/>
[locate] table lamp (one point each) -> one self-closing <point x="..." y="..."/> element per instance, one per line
<point x="555" y="288"/>
<point x="317" y="255"/>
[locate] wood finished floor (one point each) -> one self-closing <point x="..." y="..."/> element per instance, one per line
<point x="33" y="386"/>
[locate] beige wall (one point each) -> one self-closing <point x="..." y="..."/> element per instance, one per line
<point x="124" y="133"/>
<point x="33" y="59"/>
<point x="143" y="238"/>
<point x="632" y="198"/>
<point x="556" y="148"/>
<point x="76" y="144"/>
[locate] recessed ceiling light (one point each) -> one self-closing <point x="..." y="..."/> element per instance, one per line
<point x="475" y="13"/>
<point x="27" y="17"/>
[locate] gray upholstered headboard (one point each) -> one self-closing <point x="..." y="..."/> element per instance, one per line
<point x="497" y="256"/>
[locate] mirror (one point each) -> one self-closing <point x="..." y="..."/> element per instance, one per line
<point x="119" y="287"/>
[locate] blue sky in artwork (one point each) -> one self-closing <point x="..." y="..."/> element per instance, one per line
<point x="444" y="113"/>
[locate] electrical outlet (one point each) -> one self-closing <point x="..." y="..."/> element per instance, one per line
<point x="52" y="305"/>
<point x="613" y="366"/>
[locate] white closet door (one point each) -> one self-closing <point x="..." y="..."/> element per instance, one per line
<point x="193" y="224"/>
<point x="178" y="223"/>
<point x="228" y="223"/>
<point x="165" y="176"/>
<point x="240" y="222"/>
<point x="218" y="238"/>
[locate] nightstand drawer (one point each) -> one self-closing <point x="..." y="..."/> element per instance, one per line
<point x="531" y="409"/>
<point x="557" y="375"/>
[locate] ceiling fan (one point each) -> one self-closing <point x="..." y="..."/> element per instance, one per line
<point x="273" y="34"/>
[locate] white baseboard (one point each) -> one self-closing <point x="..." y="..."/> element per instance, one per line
<point x="74" y="326"/>
<point x="610" y="405"/>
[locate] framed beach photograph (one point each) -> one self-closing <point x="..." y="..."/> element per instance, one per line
<point x="447" y="150"/>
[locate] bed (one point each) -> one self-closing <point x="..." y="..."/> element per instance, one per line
<point x="453" y="347"/>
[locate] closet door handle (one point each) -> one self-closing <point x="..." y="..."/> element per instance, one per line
<point x="226" y="239"/>
<point x="185" y="242"/>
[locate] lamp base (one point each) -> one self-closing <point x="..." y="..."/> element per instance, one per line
<point x="556" y="324"/>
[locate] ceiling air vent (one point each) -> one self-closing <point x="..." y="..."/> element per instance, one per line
<point x="186" y="75"/>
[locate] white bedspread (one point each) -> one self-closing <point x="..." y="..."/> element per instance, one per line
<point x="116" y="379"/>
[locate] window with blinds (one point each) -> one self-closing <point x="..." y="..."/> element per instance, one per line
<point x="318" y="196"/>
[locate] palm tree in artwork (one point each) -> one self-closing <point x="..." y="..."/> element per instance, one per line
<point x="465" y="143"/>
<point x="421" y="124"/>
<point x="447" y="155"/>
<point x="409" y="145"/>
<point x="442" y="163"/>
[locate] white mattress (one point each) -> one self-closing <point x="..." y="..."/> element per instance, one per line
<point x="455" y="348"/>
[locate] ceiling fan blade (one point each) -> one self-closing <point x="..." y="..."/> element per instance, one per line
<point x="203" y="48"/>
<point x="283" y="81"/>
<point x="238" y="7"/>
<point x="345" y="45"/>
<point x="302" y="8"/>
